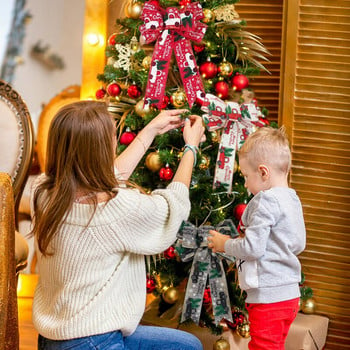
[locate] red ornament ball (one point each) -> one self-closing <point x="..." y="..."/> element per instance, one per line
<point x="221" y="89"/>
<point x="166" y="173"/>
<point x="184" y="3"/>
<point x="239" y="82"/>
<point x="207" y="296"/>
<point x="150" y="284"/>
<point x="111" y="39"/>
<point x="208" y="70"/>
<point x="100" y="93"/>
<point x="238" y="210"/>
<point x="127" y="137"/>
<point x="165" y="102"/>
<point x="134" y="91"/>
<point x="154" y="2"/>
<point x="198" y="48"/>
<point x="170" y="253"/>
<point x="113" y="89"/>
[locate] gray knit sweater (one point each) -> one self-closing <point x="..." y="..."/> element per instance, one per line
<point x="268" y="267"/>
<point x="96" y="280"/>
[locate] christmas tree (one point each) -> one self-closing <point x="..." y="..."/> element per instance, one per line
<point x="168" y="54"/>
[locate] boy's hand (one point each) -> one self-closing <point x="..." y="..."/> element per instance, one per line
<point x="216" y="241"/>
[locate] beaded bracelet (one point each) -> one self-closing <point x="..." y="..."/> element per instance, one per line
<point x="194" y="150"/>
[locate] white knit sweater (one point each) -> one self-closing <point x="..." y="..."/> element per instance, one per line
<point x="96" y="280"/>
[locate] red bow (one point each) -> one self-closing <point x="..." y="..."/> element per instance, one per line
<point x="172" y="32"/>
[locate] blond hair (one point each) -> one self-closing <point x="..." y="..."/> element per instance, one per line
<point x="268" y="146"/>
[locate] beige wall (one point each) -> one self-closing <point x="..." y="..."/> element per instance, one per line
<point x="60" y="25"/>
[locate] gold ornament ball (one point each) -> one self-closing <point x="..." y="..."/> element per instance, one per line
<point x="225" y="68"/>
<point x="153" y="162"/>
<point x="204" y="162"/>
<point x="178" y="99"/>
<point x="235" y="166"/>
<point x="146" y="62"/>
<point x="209" y="16"/>
<point x="221" y="344"/>
<point x="308" y="306"/>
<point x="208" y="44"/>
<point x="171" y="295"/>
<point x="133" y="9"/>
<point x="243" y="330"/>
<point x="215" y="136"/>
<point x="140" y="110"/>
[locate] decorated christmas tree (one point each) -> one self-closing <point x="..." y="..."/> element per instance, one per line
<point x="168" y="54"/>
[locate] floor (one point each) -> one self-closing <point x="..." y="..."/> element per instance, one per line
<point x="27" y="333"/>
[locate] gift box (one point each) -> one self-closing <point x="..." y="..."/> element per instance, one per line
<point x="307" y="332"/>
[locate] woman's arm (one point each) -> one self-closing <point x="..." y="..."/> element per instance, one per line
<point x="193" y="134"/>
<point x="165" y="121"/>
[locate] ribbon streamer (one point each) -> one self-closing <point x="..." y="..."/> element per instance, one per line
<point x="237" y="122"/>
<point x="193" y="244"/>
<point x="173" y="29"/>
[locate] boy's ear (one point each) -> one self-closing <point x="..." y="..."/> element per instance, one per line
<point x="264" y="171"/>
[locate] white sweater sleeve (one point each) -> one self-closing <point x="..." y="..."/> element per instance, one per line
<point x="150" y="222"/>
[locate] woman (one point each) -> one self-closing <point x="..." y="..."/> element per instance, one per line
<point x="92" y="233"/>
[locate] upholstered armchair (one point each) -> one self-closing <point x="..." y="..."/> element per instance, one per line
<point x="16" y="152"/>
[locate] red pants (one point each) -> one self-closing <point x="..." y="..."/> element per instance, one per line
<point x="269" y="324"/>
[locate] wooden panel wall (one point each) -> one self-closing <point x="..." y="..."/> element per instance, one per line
<point x="264" y="18"/>
<point x="315" y="105"/>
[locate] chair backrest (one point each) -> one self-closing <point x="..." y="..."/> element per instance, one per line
<point x="69" y="95"/>
<point x="9" y="337"/>
<point x="16" y="139"/>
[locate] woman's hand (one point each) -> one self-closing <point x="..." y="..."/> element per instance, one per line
<point x="193" y="132"/>
<point x="165" y="121"/>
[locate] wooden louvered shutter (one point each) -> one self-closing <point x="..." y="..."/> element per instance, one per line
<point x="315" y="105"/>
<point x="264" y="19"/>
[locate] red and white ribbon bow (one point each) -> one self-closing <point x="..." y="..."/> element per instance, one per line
<point x="173" y="29"/>
<point x="237" y="122"/>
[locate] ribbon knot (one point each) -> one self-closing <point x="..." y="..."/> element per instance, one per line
<point x="173" y="29"/>
<point x="237" y="122"/>
<point x="193" y="244"/>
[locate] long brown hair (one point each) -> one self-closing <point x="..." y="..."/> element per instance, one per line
<point x="79" y="155"/>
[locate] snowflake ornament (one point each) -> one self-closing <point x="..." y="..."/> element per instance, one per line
<point x="125" y="52"/>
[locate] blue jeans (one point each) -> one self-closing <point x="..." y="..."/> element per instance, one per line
<point x="144" y="338"/>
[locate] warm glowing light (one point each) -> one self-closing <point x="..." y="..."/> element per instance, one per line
<point x="26" y="285"/>
<point x="19" y="285"/>
<point x="94" y="39"/>
<point x="95" y="32"/>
